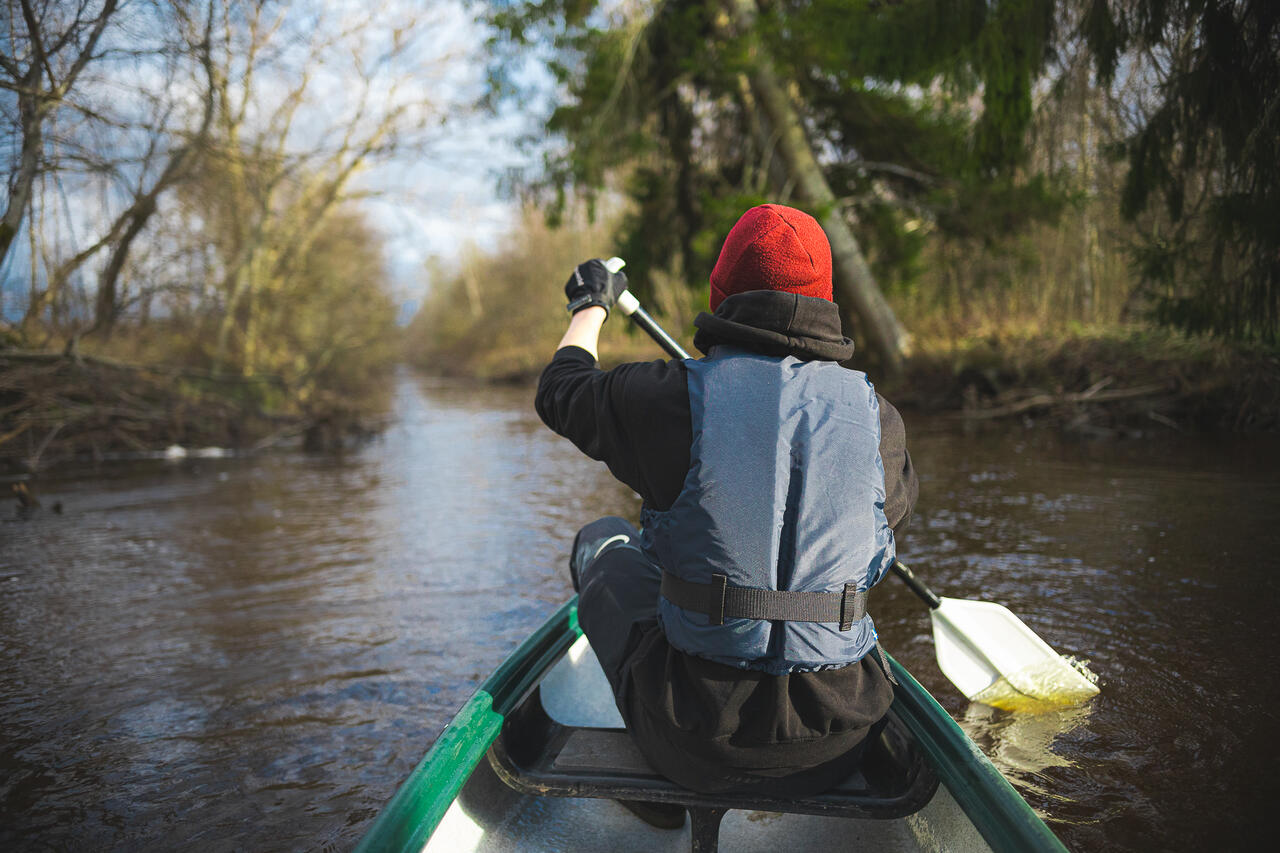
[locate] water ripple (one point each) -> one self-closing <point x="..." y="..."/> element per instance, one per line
<point x="253" y="653"/>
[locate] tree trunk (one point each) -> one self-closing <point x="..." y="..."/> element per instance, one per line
<point x="35" y="103"/>
<point x="106" y="304"/>
<point x="472" y="289"/>
<point x="855" y="285"/>
<point x="31" y="115"/>
<point x="179" y="165"/>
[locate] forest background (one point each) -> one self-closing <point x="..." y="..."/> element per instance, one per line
<point x="1062" y="207"/>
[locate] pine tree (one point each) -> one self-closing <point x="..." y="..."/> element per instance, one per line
<point x="885" y="120"/>
<point x="1204" y="163"/>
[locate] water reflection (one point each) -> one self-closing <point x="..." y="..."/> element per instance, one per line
<point x="1155" y="560"/>
<point x="251" y="654"/>
<point x="1023" y="744"/>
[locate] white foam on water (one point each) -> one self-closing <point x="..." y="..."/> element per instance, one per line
<point x="1043" y="686"/>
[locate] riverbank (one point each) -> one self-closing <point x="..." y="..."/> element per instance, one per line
<point x="1101" y="382"/>
<point x="57" y="407"/>
<point x="1111" y="382"/>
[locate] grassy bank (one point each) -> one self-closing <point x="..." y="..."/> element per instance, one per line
<point x="300" y="354"/>
<point x="57" y="407"/>
<point x="1097" y="380"/>
<point x="497" y="315"/>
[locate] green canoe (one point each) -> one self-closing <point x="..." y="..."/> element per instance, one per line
<point x="555" y="753"/>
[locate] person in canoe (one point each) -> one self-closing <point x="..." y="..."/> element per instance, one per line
<point x="734" y="626"/>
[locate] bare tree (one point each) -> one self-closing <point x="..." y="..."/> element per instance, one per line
<point x="147" y="155"/>
<point x="47" y="48"/>
<point x="285" y="149"/>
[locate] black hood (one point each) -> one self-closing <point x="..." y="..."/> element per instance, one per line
<point x="776" y="323"/>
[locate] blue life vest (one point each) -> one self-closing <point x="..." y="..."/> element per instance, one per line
<point x="785" y="491"/>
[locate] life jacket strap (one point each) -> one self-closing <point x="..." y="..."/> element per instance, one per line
<point x="884" y="664"/>
<point x="719" y="601"/>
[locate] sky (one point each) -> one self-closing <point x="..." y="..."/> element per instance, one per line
<point x="439" y="203"/>
<point x="439" y="200"/>
<point x="428" y="201"/>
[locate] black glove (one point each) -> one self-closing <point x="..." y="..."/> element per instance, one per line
<point x="592" y="284"/>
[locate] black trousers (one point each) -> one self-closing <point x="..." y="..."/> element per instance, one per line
<point x="618" y="590"/>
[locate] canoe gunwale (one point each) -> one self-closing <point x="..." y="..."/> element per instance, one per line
<point x="418" y="806"/>
<point x="1001" y="815"/>
<point x="997" y="811"/>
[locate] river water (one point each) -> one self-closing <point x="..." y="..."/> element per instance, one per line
<point x="251" y="654"/>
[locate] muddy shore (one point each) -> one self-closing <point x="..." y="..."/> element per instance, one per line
<point x="57" y="408"/>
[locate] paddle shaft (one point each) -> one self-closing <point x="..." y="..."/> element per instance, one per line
<point x="630" y="306"/>
<point x="917" y="585"/>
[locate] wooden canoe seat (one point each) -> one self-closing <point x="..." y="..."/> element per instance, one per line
<point x="536" y="755"/>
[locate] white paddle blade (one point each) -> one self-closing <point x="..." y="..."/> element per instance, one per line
<point x="994" y="658"/>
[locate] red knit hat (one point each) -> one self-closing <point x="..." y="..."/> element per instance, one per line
<point x="773" y="248"/>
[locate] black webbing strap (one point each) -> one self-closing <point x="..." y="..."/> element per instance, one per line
<point x="884" y="662"/>
<point x="720" y="601"/>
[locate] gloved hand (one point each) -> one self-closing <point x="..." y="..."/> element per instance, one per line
<point x="592" y="284"/>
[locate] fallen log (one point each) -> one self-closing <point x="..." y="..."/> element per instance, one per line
<point x="1094" y="394"/>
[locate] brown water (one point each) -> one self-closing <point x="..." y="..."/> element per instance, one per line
<point x="251" y="654"/>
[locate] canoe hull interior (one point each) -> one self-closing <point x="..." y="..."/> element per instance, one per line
<point x="489" y="817"/>
<point x="454" y="801"/>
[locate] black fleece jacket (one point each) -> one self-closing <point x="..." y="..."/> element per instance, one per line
<point x="636" y="419"/>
